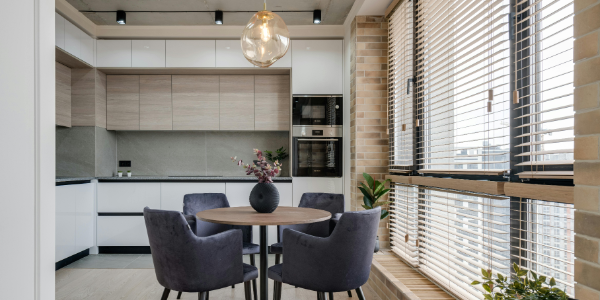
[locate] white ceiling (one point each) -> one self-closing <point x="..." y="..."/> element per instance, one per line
<point x="334" y="12"/>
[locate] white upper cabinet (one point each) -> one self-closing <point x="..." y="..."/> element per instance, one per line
<point x="113" y="53"/>
<point x="191" y="54"/>
<point x="229" y="55"/>
<point x="285" y="61"/>
<point x="148" y="53"/>
<point x="72" y="39"/>
<point x="86" y="48"/>
<point x="59" y="25"/>
<point x="317" y="67"/>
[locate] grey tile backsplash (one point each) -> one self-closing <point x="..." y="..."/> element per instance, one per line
<point x="195" y="153"/>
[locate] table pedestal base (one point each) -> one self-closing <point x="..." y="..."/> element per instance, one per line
<point x="263" y="269"/>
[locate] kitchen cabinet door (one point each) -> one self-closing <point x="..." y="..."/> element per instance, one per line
<point x="156" y="108"/>
<point x="113" y="53"/>
<point x="171" y="193"/>
<point x="236" y="102"/>
<point x="195" y="102"/>
<point x="190" y="54"/>
<point x="229" y="55"/>
<point x="66" y="200"/>
<point x="72" y="39"/>
<point x="317" y="67"/>
<point x="122" y="231"/>
<point x="86" y="44"/>
<point x="84" y="216"/>
<point x="148" y="53"/>
<point x="63" y="95"/>
<point x="272" y="102"/>
<point x="123" y="102"/>
<point x="127" y="197"/>
<point x="238" y="194"/>
<point x="59" y="31"/>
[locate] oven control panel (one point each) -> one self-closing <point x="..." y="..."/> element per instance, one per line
<point x="316" y="131"/>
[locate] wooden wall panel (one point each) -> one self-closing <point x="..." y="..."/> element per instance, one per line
<point x="63" y="95"/>
<point x="272" y="102"/>
<point x="195" y="102"/>
<point x="123" y="102"/>
<point x="156" y="108"/>
<point x="237" y="102"/>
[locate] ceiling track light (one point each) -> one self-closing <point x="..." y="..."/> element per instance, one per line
<point x="317" y="16"/>
<point x="219" y="17"/>
<point x="121" y="17"/>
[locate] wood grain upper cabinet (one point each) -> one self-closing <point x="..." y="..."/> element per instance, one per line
<point x="195" y="102"/>
<point x="156" y="109"/>
<point x="148" y="53"/>
<point x="190" y="54"/>
<point x="317" y="67"/>
<point x="123" y="102"/>
<point x="63" y="95"/>
<point x="237" y="102"/>
<point x="272" y="102"/>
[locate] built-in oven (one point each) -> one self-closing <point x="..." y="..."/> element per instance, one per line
<point x="317" y="110"/>
<point x="317" y="151"/>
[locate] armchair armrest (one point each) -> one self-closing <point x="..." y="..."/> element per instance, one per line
<point x="335" y="219"/>
<point x="220" y="256"/>
<point x="191" y="220"/>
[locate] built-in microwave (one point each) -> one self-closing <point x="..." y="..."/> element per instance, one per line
<point x="319" y="110"/>
<point x="317" y="151"/>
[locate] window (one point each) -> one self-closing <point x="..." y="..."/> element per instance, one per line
<point x="544" y="88"/>
<point x="403" y="221"/>
<point x="462" y="86"/>
<point x="400" y="108"/>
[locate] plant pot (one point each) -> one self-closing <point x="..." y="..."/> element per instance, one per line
<point x="377" y="244"/>
<point x="128" y="174"/>
<point x="264" y="197"/>
<point x="120" y="174"/>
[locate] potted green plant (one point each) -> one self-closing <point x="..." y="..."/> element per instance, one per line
<point x="372" y="193"/>
<point x="128" y="173"/>
<point x="280" y="155"/>
<point x="527" y="285"/>
<point x="120" y="173"/>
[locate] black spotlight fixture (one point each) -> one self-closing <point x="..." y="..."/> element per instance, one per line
<point x="317" y="16"/>
<point x="219" y="17"/>
<point x="121" y="18"/>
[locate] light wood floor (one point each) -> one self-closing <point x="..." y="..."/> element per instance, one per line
<point x="134" y="284"/>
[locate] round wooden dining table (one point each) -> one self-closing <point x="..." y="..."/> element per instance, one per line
<point x="246" y="215"/>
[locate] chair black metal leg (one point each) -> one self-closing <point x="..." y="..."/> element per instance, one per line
<point x="207" y="295"/>
<point x="203" y="296"/>
<point x="330" y="295"/>
<point x="350" y="294"/>
<point x="179" y="295"/>
<point x="325" y="296"/>
<point x="319" y="296"/>
<point x="165" y="294"/>
<point x="279" y="290"/>
<point x="277" y="259"/>
<point x="275" y="290"/>
<point x="247" y="293"/>
<point x="233" y="286"/>
<point x="360" y="294"/>
<point x="254" y="288"/>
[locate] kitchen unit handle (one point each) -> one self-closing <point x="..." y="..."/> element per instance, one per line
<point x="317" y="140"/>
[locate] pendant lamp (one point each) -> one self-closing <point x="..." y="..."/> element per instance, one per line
<point x="265" y="39"/>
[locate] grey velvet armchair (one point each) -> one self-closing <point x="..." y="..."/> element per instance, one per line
<point x="188" y="263"/>
<point x="194" y="203"/>
<point x="340" y="262"/>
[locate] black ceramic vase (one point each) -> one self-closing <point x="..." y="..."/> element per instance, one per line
<point x="264" y="197"/>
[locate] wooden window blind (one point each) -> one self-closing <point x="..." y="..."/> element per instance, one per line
<point x="462" y="85"/>
<point x="403" y="222"/>
<point x="543" y="64"/>
<point x="543" y="239"/>
<point x="400" y="94"/>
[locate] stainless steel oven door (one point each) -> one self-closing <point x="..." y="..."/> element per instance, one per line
<point x="317" y="157"/>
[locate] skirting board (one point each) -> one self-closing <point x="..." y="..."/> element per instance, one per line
<point x="71" y="259"/>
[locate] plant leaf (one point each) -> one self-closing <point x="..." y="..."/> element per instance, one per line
<point x="364" y="206"/>
<point x="381" y="203"/>
<point x="381" y="194"/>
<point x="366" y="196"/>
<point x="552" y="281"/>
<point x="384" y="214"/>
<point x="369" y="179"/>
<point x="475" y="282"/>
<point x="367" y="189"/>
<point x="367" y="202"/>
<point x="487" y="288"/>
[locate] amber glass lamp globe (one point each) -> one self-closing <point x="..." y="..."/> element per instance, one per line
<point x="265" y="39"/>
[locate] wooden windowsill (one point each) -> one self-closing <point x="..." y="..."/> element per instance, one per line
<point x="554" y="193"/>
<point x="546" y="175"/>
<point x="464" y="172"/>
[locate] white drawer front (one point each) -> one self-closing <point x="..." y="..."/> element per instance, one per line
<point x="171" y="193"/>
<point x="128" y="196"/>
<point x="122" y="231"/>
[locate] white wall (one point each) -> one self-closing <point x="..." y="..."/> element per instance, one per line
<point x="27" y="152"/>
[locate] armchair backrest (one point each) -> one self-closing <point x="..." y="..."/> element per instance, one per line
<point x="340" y="262"/>
<point x="333" y="203"/>
<point x="185" y="262"/>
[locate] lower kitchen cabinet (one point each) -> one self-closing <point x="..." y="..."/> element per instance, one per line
<point x="128" y="197"/>
<point x="317" y="185"/>
<point x="171" y="193"/>
<point x="121" y="231"/>
<point x="74" y="219"/>
<point x="238" y="194"/>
